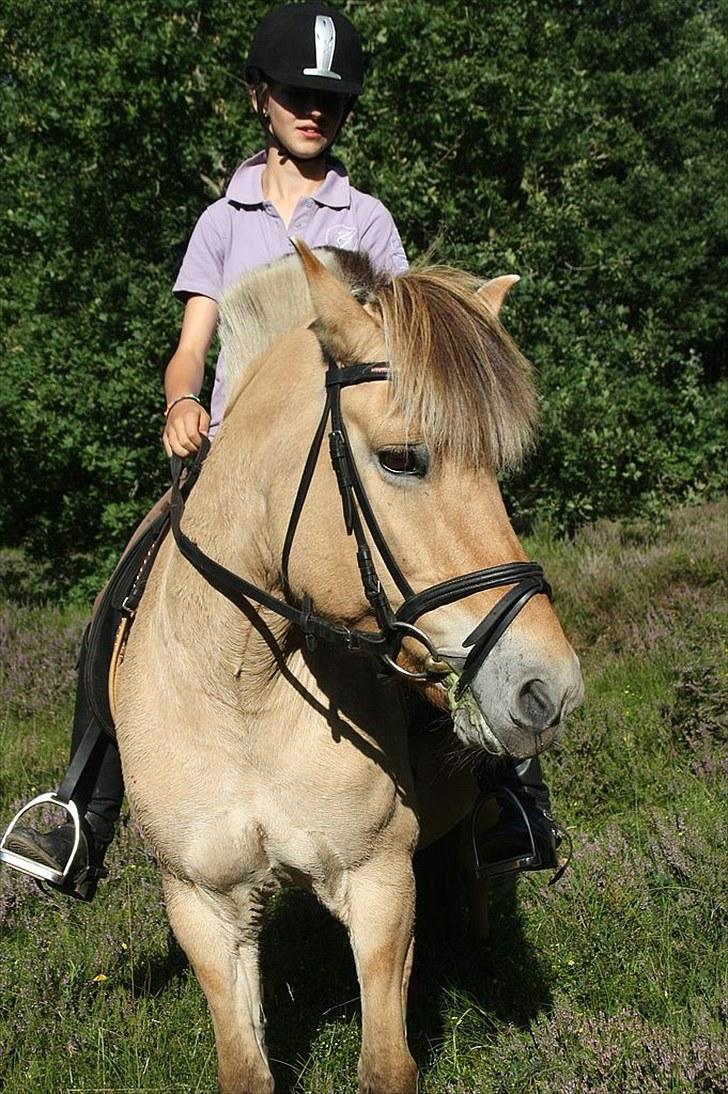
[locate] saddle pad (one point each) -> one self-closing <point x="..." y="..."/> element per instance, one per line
<point x="117" y="658"/>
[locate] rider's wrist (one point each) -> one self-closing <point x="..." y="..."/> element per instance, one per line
<point x="180" y="399"/>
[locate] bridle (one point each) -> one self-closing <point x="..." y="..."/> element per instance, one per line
<point x="526" y="578"/>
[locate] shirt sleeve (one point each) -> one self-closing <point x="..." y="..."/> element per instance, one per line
<point x="201" y="271"/>
<point x="381" y="240"/>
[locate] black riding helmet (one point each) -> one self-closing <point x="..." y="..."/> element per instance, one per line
<point x="307" y="45"/>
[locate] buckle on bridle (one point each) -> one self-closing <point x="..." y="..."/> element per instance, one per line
<point x="308" y="636"/>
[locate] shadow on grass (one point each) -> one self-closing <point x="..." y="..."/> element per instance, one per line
<point x="151" y="977"/>
<point x="310" y="978"/>
<point x="503" y="978"/>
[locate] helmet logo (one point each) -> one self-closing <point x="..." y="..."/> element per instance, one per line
<point x="325" y="36"/>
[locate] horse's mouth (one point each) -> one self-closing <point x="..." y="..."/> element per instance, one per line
<point x="468" y="719"/>
<point x="472" y="728"/>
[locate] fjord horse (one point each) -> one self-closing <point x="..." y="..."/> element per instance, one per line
<point x="260" y="746"/>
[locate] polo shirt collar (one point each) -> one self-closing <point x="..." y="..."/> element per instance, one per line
<point x="246" y="187"/>
<point x="335" y="190"/>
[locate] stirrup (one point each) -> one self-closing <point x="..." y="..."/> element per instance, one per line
<point x="531" y="860"/>
<point x="27" y="865"/>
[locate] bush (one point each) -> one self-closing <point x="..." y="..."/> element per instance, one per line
<point x="579" y="144"/>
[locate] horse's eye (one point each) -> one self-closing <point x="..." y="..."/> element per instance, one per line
<point x="412" y="460"/>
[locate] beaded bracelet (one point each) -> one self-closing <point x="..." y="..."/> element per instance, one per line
<point x="180" y="399"/>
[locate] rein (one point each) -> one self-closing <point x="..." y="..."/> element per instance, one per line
<point x="527" y="578"/>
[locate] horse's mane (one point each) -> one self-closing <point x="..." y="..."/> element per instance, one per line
<point x="272" y="300"/>
<point x="459" y="380"/>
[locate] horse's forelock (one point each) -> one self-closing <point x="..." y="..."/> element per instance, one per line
<point x="458" y="378"/>
<point x="272" y="300"/>
<point x="457" y="375"/>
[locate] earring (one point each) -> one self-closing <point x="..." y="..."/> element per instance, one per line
<point x="266" y="115"/>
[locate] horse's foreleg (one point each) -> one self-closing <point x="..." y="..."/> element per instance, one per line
<point x="220" y="937"/>
<point x="379" y="915"/>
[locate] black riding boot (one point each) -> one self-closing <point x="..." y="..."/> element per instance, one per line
<point x="524" y="835"/>
<point x="100" y="789"/>
<point x="94" y="781"/>
<point x="98" y="796"/>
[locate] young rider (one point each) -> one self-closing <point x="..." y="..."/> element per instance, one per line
<point x="304" y="72"/>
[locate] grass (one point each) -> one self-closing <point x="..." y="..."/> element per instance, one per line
<point x="614" y="980"/>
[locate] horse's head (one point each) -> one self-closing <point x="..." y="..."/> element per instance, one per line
<point x="426" y="447"/>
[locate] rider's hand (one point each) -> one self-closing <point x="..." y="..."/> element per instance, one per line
<point x="186" y="424"/>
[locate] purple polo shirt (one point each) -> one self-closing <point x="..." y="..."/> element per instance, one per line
<point x="243" y="230"/>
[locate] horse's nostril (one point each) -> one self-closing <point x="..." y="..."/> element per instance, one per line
<point x="536" y="709"/>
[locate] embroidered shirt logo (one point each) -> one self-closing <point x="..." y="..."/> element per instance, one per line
<point x="325" y="37"/>
<point x="342" y="236"/>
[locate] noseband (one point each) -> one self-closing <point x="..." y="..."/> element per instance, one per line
<point x="526" y="578"/>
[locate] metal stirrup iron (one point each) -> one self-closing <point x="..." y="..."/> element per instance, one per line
<point x="63" y="800"/>
<point x="29" y="866"/>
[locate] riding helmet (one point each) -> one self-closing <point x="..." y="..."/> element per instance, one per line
<point x="307" y="45"/>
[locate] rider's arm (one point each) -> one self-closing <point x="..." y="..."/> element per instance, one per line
<point x="187" y="420"/>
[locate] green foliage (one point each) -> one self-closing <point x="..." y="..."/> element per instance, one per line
<point x="578" y="144"/>
<point x="114" y="122"/>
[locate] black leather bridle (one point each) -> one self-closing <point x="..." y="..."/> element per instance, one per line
<point x="526" y="578"/>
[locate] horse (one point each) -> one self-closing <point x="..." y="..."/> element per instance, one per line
<point x="262" y="743"/>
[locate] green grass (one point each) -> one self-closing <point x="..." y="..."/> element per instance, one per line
<point x="616" y="979"/>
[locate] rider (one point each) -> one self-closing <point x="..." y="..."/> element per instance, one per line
<point x="304" y="73"/>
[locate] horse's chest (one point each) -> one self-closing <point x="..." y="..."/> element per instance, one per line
<point x="285" y="834"/>
<point x="335" y="824"/>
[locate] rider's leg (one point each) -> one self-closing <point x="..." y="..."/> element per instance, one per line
<point x="99" y="791"/>
<point x="98" y="796"/>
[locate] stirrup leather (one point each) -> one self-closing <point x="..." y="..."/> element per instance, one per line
<point x="36" y="869"/>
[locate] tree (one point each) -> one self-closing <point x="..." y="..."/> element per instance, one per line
<point x="578" y="144"/>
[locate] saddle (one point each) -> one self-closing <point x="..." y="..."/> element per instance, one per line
<point x="108" y="630"/>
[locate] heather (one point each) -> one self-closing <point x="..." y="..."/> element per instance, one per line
<point x="615" y="979"/>
<point x="38" y="647"/>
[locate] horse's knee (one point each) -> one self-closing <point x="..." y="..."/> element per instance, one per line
<point x="400" y="1077"/>
<point x="245" y="1080"/>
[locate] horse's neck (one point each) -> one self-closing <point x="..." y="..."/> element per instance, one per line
<point x="251" y="661"/>
<point x="228" y="516"/>
<point x="257" y="449"/>
<point x="253" y="664"/>
<point x="225" y="513"/>
<point x="225" y="517"/>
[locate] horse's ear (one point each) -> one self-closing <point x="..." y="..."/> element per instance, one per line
<point x="343" y="327"/>
<point x="496" y="290"/>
